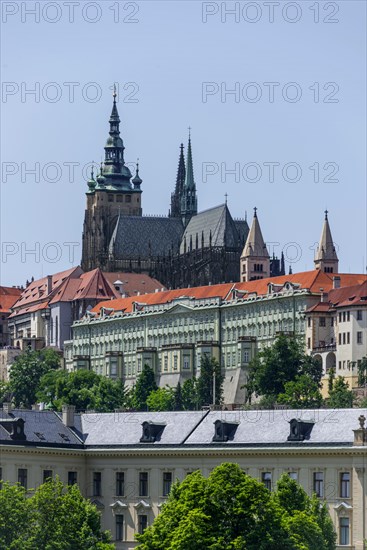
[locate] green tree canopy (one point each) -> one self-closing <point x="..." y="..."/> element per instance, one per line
<point x="145" y="384"/>
<point x="274" y="366"/>
<point x="54" y="518"/>
<point x="83" y="388"/>
<point x="362" y="372"/>
<point x="210" y="376"/>
<point x="190" y="395"/>
<point x="26" y="373"/>
<point x="231" y="510"/>
<point x="301" y="393"/>
<point x="161" y="399"/>
<point x="340" y="396"/>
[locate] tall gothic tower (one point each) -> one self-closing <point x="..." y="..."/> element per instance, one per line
<point x="255" y="260"/>
<point x="111" y="194"/>
<point x="326" y="258"/>
<point x="175" y="211"/>
<point x="189" y="201"/>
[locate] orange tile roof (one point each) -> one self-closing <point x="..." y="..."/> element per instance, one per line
<point x="135" y="283"/>
<point x="37" y="290"/>
<point x="8" y="297"/>
<point x="349" y="296"/>
<point x="29" y="309"/>
<point x="90" y="285"/>
<point x="315" y="281"/>
<point x="126" y="304"/>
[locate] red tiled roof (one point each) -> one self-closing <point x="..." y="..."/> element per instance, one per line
<point x="90" y="285"/>
<point x="37" y="290"/>
<point x="315" y="281"/>
<point x="320" y="307"/>
<point x="134" y="283"/>
<point x="349" y="296"/>
<point x="126" y="304"/>
<point x="8" y="297"/>
<point x="30" y="309"/>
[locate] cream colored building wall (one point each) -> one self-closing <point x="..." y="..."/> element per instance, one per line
<point x="182" y="461"/>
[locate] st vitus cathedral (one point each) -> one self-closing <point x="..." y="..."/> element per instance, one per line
<point x="186" y="248"/>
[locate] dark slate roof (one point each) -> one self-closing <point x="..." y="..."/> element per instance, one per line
<point x="242" y="229"/>
<point x="126" y="428"/>
<point x="144" y="236"/>
<point x="41" y="428"/>
<point x="262" y="427"/>
<point x="219" y="222"/>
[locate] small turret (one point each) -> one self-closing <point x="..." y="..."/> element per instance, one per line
<point x="137" y="181"/>
<point x="326" y="259"/>
<point x="255" y="259"/>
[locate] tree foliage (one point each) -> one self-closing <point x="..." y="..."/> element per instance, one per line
<point x="210" y="376"/>
<point x="54" y="518"/>
<point x="190" y="395"/>
<point x="231" y="510"/>
<point x="340" y="396"/>
<point x="26" y="373"/>
<point x="281" y="363"/>
<point x="301" y="393"/>
<point x="161" y="399"/>
<point x="83" y="388"/>
<point x="145" y="384"/>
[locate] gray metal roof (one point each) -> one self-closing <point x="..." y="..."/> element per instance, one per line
<point x="126" y="428"/>
<point x="40" y="427"/>
<point x="143" y="236"/>
<point x="272" y="427"/>
<point x="217" y="221"/>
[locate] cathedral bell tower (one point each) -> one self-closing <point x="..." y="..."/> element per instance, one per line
<point x="111" y="194"/>
<point x="255" y="259"/>
<point x="326" y="258"/>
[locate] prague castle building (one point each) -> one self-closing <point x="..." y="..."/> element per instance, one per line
<point x="186" y="248"/>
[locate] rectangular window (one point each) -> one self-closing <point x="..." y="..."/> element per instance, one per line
<point x="266" y="479"/>
<point x="175" y="362"/>
<point x="344" y="316"/>
<point x="348" y="315"/>
<point x="128" y="198"/>
<point x="308" y="343"/>
<point x="246" y="356"/>
<point x="359" y="337"/>
<point x="359" y="315"/>
<point x="143" y="484"/>
<point x="47" y="474"/>
<point x="142" y="523"/>
<point x="22" y="477"/>
<point x="186" y="362"/>
<point x="318" y="484"/>
<point x="322" y="322"/>
<point x="345" y="485"/>
<point x="343" y="337"/>
<point x="309" y="322"/>
<point x="293" y="475"/>
<point x="332" y="321"/>
<point x="344" y="531"/>
<point x="167" y="482"/>
<point x="97" y="482"/>
<point x="166" y="363"/>
<point x="340" y="339"/>
<point x="340" y="317"/>
<point x="120" y="484"/>
<point x="110" y="198"/>
<point x="72" y="478"/>
<point x="119" y="527"/>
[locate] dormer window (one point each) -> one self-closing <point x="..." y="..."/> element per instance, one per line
<point x="300" y="429"/>
<point x="15" y="428"/>
<point x="224" y="431"/>
<point x="152" y="432"/>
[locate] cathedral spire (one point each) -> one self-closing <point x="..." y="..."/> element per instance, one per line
<point x="326" y="258"/>
<point x="255" y="259"/>
<point x="175" y="211"/>
<point x="189" y="206"/>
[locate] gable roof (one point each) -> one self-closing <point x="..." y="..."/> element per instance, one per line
<point x="144" y="236"/>
<point x="255" y="245"/>
<point x="134" y="283"/>
<point x="92" y="285"/>
<point x="216" y="222"/>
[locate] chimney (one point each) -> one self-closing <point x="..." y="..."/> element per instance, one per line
<point x="49" y="284"/>
<point x="35" y="407"/>
<point x="336" y="281"/>
<point x="360" y="435"/>
<point x="68" y="415"/>
<point x="7" y="407"/>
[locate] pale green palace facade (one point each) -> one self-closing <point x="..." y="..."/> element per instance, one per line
<point x="171" y="335"/>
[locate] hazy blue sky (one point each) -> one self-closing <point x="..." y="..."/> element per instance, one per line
<point x="165" y="60"/>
